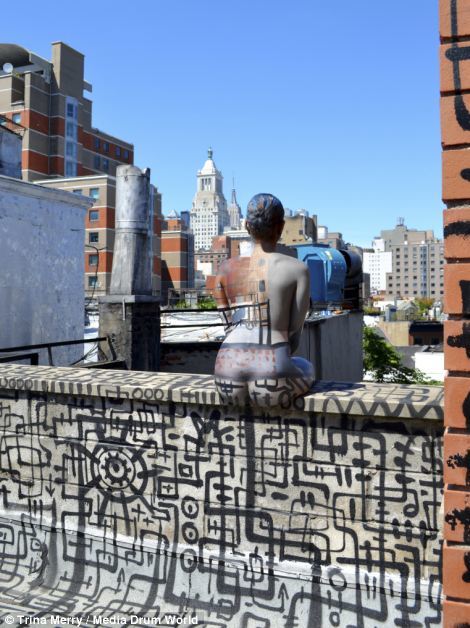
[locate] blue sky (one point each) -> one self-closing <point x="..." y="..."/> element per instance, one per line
<point x="332" y="106"/>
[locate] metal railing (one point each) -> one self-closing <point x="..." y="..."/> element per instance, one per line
<point x="34" y="355"/>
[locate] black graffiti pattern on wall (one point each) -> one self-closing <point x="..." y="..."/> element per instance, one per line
<point x="458" y="53"/>
<point x="461" y="341"/>
<point x="121" y="506"/>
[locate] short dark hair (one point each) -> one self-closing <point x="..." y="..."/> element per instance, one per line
<point x="263" y="214"/>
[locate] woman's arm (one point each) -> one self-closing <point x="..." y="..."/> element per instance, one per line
<point x="299" y="308"/>
<point x="220" y="294"/>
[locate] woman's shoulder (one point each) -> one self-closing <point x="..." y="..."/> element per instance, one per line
<point x="288" y="261"/>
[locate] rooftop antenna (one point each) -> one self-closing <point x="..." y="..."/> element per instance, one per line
<point x="401" y="221"/>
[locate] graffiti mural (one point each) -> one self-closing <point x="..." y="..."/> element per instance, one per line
<point x="115" y="506"/>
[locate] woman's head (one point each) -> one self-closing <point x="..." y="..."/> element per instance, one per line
<point x="265" y="217"/>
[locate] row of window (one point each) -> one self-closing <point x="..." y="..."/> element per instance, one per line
<point x="93" y="192"/>
<point x="104" y="146"/>
<point x="100" y="165"/>
<point x="416" y="292"/>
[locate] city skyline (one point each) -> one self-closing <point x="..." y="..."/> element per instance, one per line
<point x="332" y="112"/>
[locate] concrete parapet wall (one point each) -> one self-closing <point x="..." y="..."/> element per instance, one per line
<point x="130" y="493"/>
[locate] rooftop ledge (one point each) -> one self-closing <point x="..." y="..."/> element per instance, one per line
<point x="362" y="398"/>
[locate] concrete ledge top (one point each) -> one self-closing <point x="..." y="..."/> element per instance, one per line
<point x="362" y="398"/>
<point x="36" y="190"/>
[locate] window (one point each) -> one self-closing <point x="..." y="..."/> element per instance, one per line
<point x="70" y="129"/>
<point x="93" y="259"/>
<point x="93" y="236"/>
<point x="92" y="282"/>
<point x="105" y="164"/>
<point x="71" y="149"/>
<point x="70" y="110"/>
<point x="97" y="162"/>
<point x="95" y="193"/>
<point x="77" y="191"/>
<point x="70" y="169"/>
<point x="96" y="143"/>
<point x="126" y="154"/>
<point x="94" y="215"/>
<point x="118" y="151"/>
<point x="106" y="147"/>
<point x="16" y="118"/>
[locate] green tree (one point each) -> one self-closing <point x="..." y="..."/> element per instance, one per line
<point x="207" y="303"/>
<point x="383" y="362"/>
<point x="424" y="304"/>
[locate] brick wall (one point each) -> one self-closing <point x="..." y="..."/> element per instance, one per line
<point x="455" y="123"/>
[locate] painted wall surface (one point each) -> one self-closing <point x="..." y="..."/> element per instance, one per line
<point x="129" y="493"/>
<point x="455" y="126"/>
<point x="397" y="332"/>
<point x="42" y="267"/>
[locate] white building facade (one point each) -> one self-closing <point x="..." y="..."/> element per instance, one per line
<point x="209" y="215"/>
<point x="377" y="264"/>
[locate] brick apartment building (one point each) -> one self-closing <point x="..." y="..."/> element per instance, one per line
<point x="62" y="149"/>
<point x="177" y="255"/>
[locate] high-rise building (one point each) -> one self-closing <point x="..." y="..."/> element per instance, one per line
<point x="417" y="263"/>
<point x="377" y="263"/>
<point x="234" y="211"/>
<point x="47" y="99"/>
<point x="61" y="149"/>
<point x="209" y="215"/>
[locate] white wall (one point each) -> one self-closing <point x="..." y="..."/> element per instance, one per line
<point x="377" y="265"/>
<point x="41" y="267"/>
<point x="431" y="363"/>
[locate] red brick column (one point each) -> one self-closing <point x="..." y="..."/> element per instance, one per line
<point x="455" y="123"/>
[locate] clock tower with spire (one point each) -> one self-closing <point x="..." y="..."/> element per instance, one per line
<point x="209" y="214"/>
